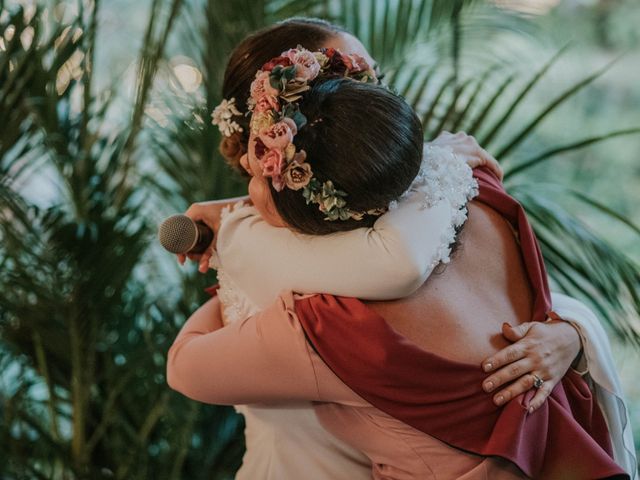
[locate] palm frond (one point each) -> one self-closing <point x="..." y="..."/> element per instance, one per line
<point x="483" y="113"/>
<point x="584" y="265"/>
<point x="430" y="112"/>
<point x="573" y="146"/>
<point x="502" y="121"/>
<point x="526" y="130"/>
<point x="88" y="311"/>
<point x="480" y="84"/>
<point x="605" y="209"/>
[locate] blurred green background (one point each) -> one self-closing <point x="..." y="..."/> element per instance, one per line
<point x="105" y="130"/>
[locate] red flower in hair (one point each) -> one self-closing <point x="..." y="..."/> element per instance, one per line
<point x="336" y="63"/>
<point x="270" y="65"/>
<point x="260" y="148"/>
<point x="329" y="52"/>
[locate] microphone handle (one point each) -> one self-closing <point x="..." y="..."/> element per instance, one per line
<point x="205" y="237"/>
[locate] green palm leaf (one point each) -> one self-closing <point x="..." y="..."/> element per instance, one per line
<point x="524" y="133"/>
<point x="584" y="265"/>
<point x="548" y="154"/>
<point x="502" y="121"/>
<point x="88" y="308"/>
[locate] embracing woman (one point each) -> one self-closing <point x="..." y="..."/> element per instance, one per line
<point x="341" y="152"/>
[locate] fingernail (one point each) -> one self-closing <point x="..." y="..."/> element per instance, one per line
<point x="531" y="409"/>
<point x="499" y="400"/>
<point x="488" y="367"/>
<point x="505" y="324"/>
<point x="488" y="386"/>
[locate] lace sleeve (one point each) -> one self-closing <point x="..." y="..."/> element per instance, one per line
<point x="390" y="260"/>
<point x="443" y="177"/>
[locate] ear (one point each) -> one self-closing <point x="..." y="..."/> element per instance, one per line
<point x="271" y="210"/>
<point x="275" y="218"/>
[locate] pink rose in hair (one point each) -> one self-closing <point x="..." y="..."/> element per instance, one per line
<point x="257" y="86"/>
<point x="277" y="136"/>
<point x="266" y="103"/>
<point x="307" y="66"/>
<point x="355" y="62"/>
<point x="261" y="86"/>
<point x="272" y="163"/>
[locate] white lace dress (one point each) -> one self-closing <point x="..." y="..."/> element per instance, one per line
<point x="256" y="261"/>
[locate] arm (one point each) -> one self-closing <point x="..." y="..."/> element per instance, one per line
<point x="390" y="260"/>
<point x="209" y="211"/>
<point x="387" y="261"/>
<point x="263" y="359"/>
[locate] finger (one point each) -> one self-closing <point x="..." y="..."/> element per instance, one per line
<point x="541" y="395"/>
<point x="507" y="374"/>
<point x="203" y="265"/>
<point x="523" y="384"/>
<point x="492" y="163"/>
<point x="181" y="258"/>
<point x="513" y="334"/>
<point x="507" y="355"/>
<point x="190" y="212"/>
<point x="207" y="257"/>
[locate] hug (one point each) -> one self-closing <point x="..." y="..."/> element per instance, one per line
<point x="383" y="309"/>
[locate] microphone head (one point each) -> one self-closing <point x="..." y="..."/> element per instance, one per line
<point x="178" y="234"/>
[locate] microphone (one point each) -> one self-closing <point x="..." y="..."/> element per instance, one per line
<point x="180" y="234"/>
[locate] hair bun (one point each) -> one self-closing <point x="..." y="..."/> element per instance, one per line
<point x="232" y="148"/>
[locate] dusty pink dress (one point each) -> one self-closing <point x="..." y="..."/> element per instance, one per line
<point x="266" y="360"/>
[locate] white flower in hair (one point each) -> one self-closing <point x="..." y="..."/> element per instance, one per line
<point x="222" y="117"/>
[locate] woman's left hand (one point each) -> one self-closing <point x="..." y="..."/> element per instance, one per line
<point x="467" y="148"/>
<point x="544" y="350"/>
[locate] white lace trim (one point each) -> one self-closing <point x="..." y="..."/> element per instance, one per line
<point x="237" y="305"/>
<point x="443" y="176"/>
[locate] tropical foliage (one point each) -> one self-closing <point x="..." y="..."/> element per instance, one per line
<point x="88" y="306"/>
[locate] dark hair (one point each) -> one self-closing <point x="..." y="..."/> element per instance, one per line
<point x="251" y="54"/>
<point x="362" y="137"/>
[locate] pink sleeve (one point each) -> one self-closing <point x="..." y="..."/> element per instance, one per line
<point x="263" y="359"/>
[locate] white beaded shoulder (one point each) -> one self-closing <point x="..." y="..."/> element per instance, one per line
<point x="444" y="177"/>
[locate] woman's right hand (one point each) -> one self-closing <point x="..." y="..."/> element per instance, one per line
<point x="466" y="147"/>
<point x="208" y="213"/>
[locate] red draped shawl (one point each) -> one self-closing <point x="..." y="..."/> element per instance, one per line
<point x="567" y="438"/>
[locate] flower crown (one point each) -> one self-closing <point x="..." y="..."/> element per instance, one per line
<point x="276" y="118"/>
